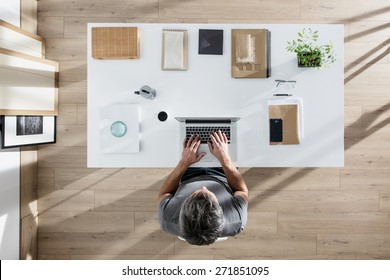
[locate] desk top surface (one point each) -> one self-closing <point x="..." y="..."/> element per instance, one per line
<point x="207" y="89"/>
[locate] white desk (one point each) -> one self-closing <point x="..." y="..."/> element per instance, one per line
<point x="207" y="89"/>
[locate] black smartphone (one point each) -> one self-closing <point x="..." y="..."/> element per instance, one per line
<point x="276" y="130"/>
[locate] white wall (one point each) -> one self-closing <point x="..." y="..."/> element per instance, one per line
<point x="9" y="169"/>
<point x="9" y="203"/>
<point x="10" y="11"/>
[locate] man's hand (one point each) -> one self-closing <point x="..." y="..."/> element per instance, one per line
<point x="188" y="157"/>
<point x="190" y="148"/>
<point x="219" y="146"/>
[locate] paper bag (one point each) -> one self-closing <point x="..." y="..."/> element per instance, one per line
<point x="289" y="113"/>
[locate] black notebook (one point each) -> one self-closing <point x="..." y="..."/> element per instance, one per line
<point x="210" y="41"/>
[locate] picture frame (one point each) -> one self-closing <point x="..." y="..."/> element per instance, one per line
<point x="17" y="131"/>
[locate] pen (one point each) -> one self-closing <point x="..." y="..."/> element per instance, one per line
<point x="282" y="94"/>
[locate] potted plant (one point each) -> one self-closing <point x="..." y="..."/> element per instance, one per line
<point x="310" y="54"/>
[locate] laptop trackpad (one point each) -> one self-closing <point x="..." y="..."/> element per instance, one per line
<point x="208" y="156"/>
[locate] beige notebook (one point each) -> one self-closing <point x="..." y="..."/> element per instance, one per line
<point x="115" y="43"/>
<point x="289" y="114"/>
<point x="174" y="49"/>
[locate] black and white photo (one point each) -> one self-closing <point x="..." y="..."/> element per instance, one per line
<point x="29" y="125"/>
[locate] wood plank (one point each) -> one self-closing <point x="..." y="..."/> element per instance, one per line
<point x="245" y="9"/>
<point x="74" y="71"/>
<point x="76" y="27"/>
<point x="82" y="113"/>
<point x="376" y="115"/>
<point x="72" y="92"/>
<point x="362" y="179"/>
<point x="53" y="257"/>
<point x="377" y="245"/>
<point x="328" y="201"/>
<point x="86" y="222"/>
<point x="367" y="95"/>
<point x="53" y="156"/>
<point x="65" y="200"/>
<point x="146" y="222"/>
<point x="243" y="256"/>
<point x="333" y="222"/>
<point x="125" y="200"/>
<point x="71" y="135"/>
<point x="364" y="158"/>
<point x="370" y="31"/>
<point x="140" y="257"/>
<point x="264" y="245"/>
<point x="366" y="74"/>
<point x="28" y="181"/>
<point x="343" y="10"/>
<point x="365" y="52"/>
<point x="385" y="201"/>
<point x="45" y="178"/>
<point x="66" y="49"/>
<point x="99" y="8"/>
<point x="371" y="257"/>
<point x="67" y="114"/>
<point x="78" y="178"/>
<point x="352" y="115"/>
<point x="51" y="27"/>
<point x="29" y="237"/>
<point x="274" y="179"/>
<point x="104" y="243"/>
<point x="368" y="137"/>
<point x="261" y="222"/>
<point x="110" y="179"/>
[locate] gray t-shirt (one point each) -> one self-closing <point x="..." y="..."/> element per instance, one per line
<point x="233" y="206"/>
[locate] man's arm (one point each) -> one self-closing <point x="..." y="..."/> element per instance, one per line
<point x="219" y="148"/>
<point x="189" y="157"/>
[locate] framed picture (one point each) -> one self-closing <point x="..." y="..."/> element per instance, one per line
<point x="19" y="131"/>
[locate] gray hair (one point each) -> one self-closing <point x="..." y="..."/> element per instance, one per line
<point x="201" y="219"/>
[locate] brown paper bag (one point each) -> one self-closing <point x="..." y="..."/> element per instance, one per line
<point x="289" y="114"/>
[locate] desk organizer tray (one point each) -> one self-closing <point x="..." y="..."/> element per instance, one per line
<point x="115" y="42"/>
<point x="119" y="128"/>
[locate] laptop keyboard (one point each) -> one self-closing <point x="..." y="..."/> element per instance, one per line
<point x="204" y="132"/>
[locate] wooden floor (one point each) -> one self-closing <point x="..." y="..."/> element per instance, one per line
<point x="293" y="214"/>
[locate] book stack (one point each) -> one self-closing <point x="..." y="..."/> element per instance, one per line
<point x="251" y="53"/>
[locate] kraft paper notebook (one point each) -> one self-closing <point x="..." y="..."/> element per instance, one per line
<point x="250" y="53"/>
<point x="284" y="117"/>
<point x="174" y="49"/>
<point x="115" y="43"/>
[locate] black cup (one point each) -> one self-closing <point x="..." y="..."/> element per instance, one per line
<point x="162" y="116"/>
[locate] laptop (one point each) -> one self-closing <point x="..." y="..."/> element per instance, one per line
<point x="203" y="126"/>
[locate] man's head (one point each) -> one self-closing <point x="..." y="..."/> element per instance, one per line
<point x="201" y="218"/>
